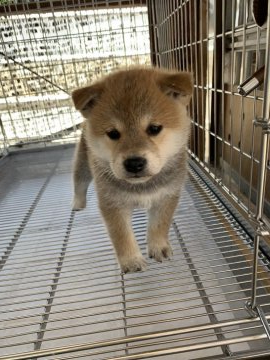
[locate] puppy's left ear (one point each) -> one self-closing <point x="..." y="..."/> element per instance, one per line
<point x="177" y="85"/>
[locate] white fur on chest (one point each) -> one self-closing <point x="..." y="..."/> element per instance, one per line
<point x="144" y="201"/>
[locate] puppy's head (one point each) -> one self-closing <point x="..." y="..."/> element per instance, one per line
<point x="136" y="120"/>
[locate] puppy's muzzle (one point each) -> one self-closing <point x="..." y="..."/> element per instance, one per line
<point x="135" y="165"/>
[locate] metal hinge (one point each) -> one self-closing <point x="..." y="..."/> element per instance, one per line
<point x="263" y="123"/>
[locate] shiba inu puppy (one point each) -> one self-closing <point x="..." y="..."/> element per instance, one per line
<point x="133" y="144"/>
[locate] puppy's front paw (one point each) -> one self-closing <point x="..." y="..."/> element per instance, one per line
<point x="159" y="252"/>
<point x="132" y="264"/>
<point x="78" y="204"/>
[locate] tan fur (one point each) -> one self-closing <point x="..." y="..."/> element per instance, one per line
<point x="81" y="174"/>
<point x="129" y="101"/>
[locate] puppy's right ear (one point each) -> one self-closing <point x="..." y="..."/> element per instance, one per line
<point x="85" y="98"/>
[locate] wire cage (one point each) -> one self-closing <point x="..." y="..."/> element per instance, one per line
<point x="222" y="47"/>
<point x="48" y="49"/>
<point x="62" y="295"/>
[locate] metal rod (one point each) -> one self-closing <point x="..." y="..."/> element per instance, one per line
<point x="131" y="339"/>
<point x="263" y="163"/>
<point x="264" y="321"/>
<point x="159" y="342"/>
<point x="179" y="350"/>
<point x="254" y="284"/>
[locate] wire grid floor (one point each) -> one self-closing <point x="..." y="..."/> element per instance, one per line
<point x="62" y="295"/>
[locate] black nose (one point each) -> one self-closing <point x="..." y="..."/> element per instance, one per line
<point x="135" y="164"/>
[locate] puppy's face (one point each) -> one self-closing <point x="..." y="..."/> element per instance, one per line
<point x="136" y="120"/>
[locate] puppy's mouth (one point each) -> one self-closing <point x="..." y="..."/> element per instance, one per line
<point x="137" y="178"/>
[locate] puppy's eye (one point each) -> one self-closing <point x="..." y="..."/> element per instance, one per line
<point x="153" y="130"/>
<point x="114" y="134"/>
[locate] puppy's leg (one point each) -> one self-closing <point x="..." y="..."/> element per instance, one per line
<point x="119" y="226"/>
<point x="81" y="175"/>
<point x="159" y="221"/>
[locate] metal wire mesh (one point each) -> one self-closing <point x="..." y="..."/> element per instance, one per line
<point x="63" y="297"/>
<point x="220" y="43"/>
<point x="49" y="48"/>
<point x="61" y="293"/>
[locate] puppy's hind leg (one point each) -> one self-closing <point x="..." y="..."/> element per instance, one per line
<point x="81" y="175"/>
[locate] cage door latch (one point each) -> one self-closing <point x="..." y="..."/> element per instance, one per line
<point x="263" y="123"/>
